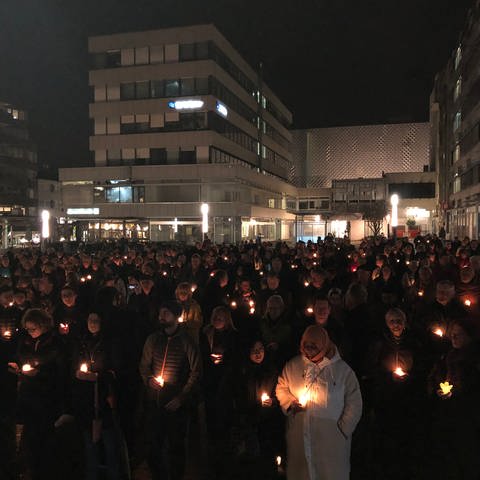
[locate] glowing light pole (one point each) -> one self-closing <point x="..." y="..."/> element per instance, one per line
<point x="204" y="209"/>
<point x="394" y="217"/>
<point x="45" y="226"/>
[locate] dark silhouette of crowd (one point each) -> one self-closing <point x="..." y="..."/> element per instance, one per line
<point x="127" y="360"/>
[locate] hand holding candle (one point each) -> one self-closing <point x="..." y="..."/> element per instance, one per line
<point x="216" y="358"/>
<point x="84" y="368"/>
<point x="266" y="400"/>
<point x="160" y="380"/>
<point x="400" y="373"/>
<point x="445" y="390"/>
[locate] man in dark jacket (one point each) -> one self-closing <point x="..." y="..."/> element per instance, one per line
<point x="171" y="369"/>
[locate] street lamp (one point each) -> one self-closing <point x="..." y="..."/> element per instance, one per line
<point x="394" y="217"/>
<point x="204" y="209"/>
<point x="45" y="224"/>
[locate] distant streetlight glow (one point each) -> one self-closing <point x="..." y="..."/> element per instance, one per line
<point x="394" y="202"/>
<point x="204" y="209"/>
<point x="45" y="224"/>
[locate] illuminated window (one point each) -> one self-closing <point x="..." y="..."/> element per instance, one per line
<point x="457" y="122"/>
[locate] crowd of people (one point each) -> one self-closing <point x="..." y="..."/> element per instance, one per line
<point x="260" y="360"/>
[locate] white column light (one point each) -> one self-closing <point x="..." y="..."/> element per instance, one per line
<point x="45" y="224"/>
<point x="204" y="209"/>
<point x="394" y="202"/>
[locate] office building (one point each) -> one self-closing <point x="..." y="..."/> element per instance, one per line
<point x="181" y="120"/>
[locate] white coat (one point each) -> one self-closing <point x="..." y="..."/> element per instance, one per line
<point x="319" y="439"/>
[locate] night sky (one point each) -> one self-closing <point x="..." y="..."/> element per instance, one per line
<point x="332" y="62"/>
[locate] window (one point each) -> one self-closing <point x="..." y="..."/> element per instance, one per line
<point x="127" y="91"/>
<point x="412" y="190"/>
<point x="458" y="57"/>
<point x="156" y="87"/>
<point x="143" y="90"/>
<point x="187" y="52"/>
<point x="118" y="195"/>
<point x="187" y="86"/>
<point x="303" y="205"/>
<point x="187" y="157"/>
<point x="156" y="54"/>
<point x="141" y="56"/>
<point x="172" y="88"/>
<point x="458" y="89"/>
<point x="113" y="59"/>
<point x="158" y="156"/>
<point x="457" y="121"/>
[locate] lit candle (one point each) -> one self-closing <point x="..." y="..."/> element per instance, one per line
<point x="265" y="397"/>
<point x="306" y="284"/>
<point x="84" y="368"/>
<point x="399" y="372"/>
<point x="439" y="332"/>
<point x="261" y="273"/>
<point x="180" y="319"/>
<point x="446" y="389"/>
<point x="89" y="277"/>
<point x="26" y="368"/>
<point x="7" y="333"/>
<point x="309" y="310"/>
<point x="11" y="304"/>
<point x="82" y="279"/>
<point x="420" y="293"/>
<point x="314" y="255"/>
<point x="164" y="273"/>
<point x="467" y="302"/>
<point x="160" y="380"/>
<point x="407" y="262"/>
<point x="278" y="460"/>
<point x="233" y="304"/>
<point x="64" y="328"/>
<point x="252" y="311"/>
<point x="212" y="274"/>
<point x="216" y="357"/>
<point x="303" y="399"/>
<point x="225" y="258"/>
<point x="194" y="287"/>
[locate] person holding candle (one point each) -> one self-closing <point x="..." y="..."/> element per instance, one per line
<point x="319" y="428"/>
<point x="455" y="422"/>
<point x="394" y="379"/>
<point x="42" y="390"/>
<point x="258" y="408"/>
<point x="171" y="355"/>
<point x="191" y="311"/>
<point x="95" y="360"/>
<point x="219" y="346"/>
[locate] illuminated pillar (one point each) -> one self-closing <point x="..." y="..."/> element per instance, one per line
<point x="204" y="209"/>
<point x="394" y="217"/>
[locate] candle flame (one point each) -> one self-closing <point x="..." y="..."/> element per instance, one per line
<point x="216" y="357"/>
<point x="439" y="332"/>
<point x="26" y="368"/>
<point x="467" y="302"/>
<point x="7" y="333"/>
<point x="278" y="460"/>
<point x="399" y="372"/>
<point x="303" y="399"/>
<point x="180" y="319"/>
<point x="446" y="388"/>
<point x="306" y="284"/>
<point x="160" y="380"/>
<point x="233" y="304"/>
<point x="194" y="287"/>
<point x="420" y="293"/>
<point x="11" y="304"/>
<point x="84" y="368"/>
<point x="310" y="310"/>
<point x="252" y="311"/>
<point x="89" y="277"/>
<point x="264" y="397"/>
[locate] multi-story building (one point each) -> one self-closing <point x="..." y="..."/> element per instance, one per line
<point x="180" y="119"/>
<point x="18" y="172"/>
<point x="455" y="133"/>
<point x="321" y="155"/>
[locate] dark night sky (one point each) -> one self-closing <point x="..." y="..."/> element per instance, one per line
<point x="332" y="62"/>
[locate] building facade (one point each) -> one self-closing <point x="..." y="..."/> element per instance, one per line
<point x="455" y="133"/>
<point x="321" y="155"/>
<point x="18" y="173"/>
<point x="179" y="120"/>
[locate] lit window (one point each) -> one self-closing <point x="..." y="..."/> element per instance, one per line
<point x="457" y="121"/>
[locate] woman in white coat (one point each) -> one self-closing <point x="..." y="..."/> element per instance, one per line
<point x="321" y="397"/>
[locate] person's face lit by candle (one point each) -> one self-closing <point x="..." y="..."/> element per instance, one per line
<point x="467" y="274"/>
<point x="321" y="310"/>
<point x="273" y="282"/>
<point x="275" y="307"/>
<point x="94" y="323"/>
<point x="147" y="285"/>
<point x="69" y="297"/>
<point x="167" y="319"/>
<point x="6" y="298"/>
<point x="395" y="323"/>
<point x="459" y="337"/>
<point x="444" y="293"/>
<point x="257" y="353"/>
<point x="34" y="330"/>
<point x="219" y="320"/>
<point x="311" y="350"/>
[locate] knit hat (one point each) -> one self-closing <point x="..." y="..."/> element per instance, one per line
<point x="317" y="335"/>
<point x="172" y="306"/>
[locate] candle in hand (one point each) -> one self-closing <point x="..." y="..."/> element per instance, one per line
<point x="399" y="372"/>
<point x="303" y="399"/>
<point x="467" y="302"/>
<point x="84" y="368"/>
<point x="446" y="388"/>
<point x="26" y="368"/>
<point x="216" y="357"/>
<point x="265" y="397"/>
<point x="309" y="310"/>
<point x="439" y="332"/>
<point x="7" y="334"/>
<point x="420" y="293"/>
<point x="160" y="380"/>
